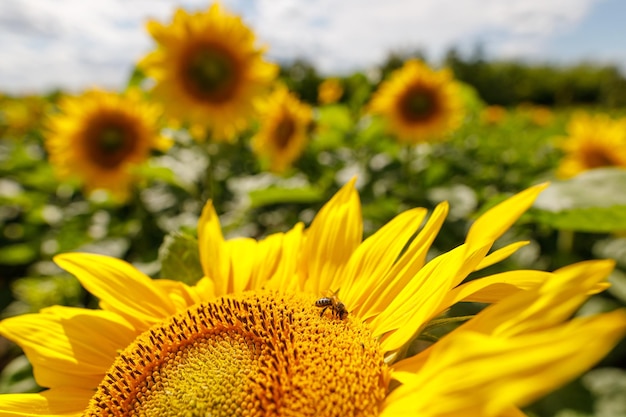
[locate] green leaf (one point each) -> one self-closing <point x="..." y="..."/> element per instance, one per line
<point x="34" y="293"/>
<point x="180" y="258"/>
<point x="593" y="220"/>
<point x="17" y="254"/>
<point x="470" y="96"/>
<point x="336" y="116"/>
<point x="334" y="124"/>
<point x="157" y="173"/>
<point x="593" y="201"/>
<point x="136" y="78"/>
<point x="618" y="285"/>
<point x="278" y="195"/>
<point x="17" y="377"/>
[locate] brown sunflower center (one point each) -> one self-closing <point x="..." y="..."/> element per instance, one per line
<point x="110" y="140"/>
<point x="209" y="73"/>
<point x="596" y="157"/>
<point x="418" y="104"/>
<point x="254" y="354"/>
<point x="284" y="131"/>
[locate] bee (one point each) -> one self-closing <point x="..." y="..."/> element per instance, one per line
<point x="337" y="307"/>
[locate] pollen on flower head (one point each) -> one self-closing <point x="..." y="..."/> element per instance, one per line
<point x="255" y="354"/>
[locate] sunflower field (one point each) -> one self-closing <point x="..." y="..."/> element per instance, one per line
<point x="228" y="235"/>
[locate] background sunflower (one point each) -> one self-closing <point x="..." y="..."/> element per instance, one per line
<point x="284" y="129"/>
<point x="418" y="103"/>
<point x="98" y="137"/>
<point x="208" y="70"/>
<point x="593" y="141"/>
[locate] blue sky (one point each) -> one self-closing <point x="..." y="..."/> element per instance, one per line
<point x="601" y="35"/>
<point x="77" y="44"/>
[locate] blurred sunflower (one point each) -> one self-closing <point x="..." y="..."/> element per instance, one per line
<point x="537" y="115"/>
<point x="21" y="115"/>
<point x="329" y="91"/>
<point x="208" y="71"/>
<point x="284" y="129"/>
<point x="99" y="137"/>
<point x="592" y="141"/>
<point x="541" y="116"/>
<point x="493" y="115"/>
<point x="419" y="104"/>
<point x="251" y="339"/>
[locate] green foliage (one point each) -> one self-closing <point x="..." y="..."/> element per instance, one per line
<point x="279" y="195"/>
<point x="180" y="259"/>
<point x="593" y="201"/>
<point x="33" y="294"/>
<point x="512" y="82"/>
<point x="17" y="377"/>
<point x="479" y="164"/>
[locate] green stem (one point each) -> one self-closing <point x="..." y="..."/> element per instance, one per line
<point x="565" y="241"/>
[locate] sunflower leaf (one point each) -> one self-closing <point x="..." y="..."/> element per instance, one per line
<point x="618" y="285"/>
<point x="180" y="259"/>
<point x="17" y="377"/>
<point x="336" y="116"/>
<point x="18" y="254"/>
<point x="593" y="201"/>
<point x="277" y="195"/>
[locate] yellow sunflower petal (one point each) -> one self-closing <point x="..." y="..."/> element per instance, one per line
<point x="205" y="288"/>
<point x="55" y="402"/>
<point x="548" y="299"/>
<point x="406" y="267"/>
<point x="422" y="298"/>
<point x="181" y="294"/>
<point x="285" y="277"/>
<point x="215" y="263"/>
<point x="268" y="256"/>
<point x="331" y="239"/>
<point x="115" y="283"/>
<point x="237" y="264"/>
<point x="241" y="253"/>
<point x="497" y="220"/>
<point x="495" y="287"/>
<point x="157" y="31"/>
<point x="373" y="259"/>
<point x="545" y="305"/>
<point x="512" y="412"/>
<point x="69" y="346"/>
<point x="460" y="377"/>
<point x="501" y="254"/>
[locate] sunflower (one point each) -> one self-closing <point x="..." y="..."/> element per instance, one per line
<point x="592" y="141"/>
<point x="541" y="116"/>
<point x="284" y="129"/>
<point x="329" y="91"/>
<point x="419" y="104"/>
<point x="208" y="71"/>
<point x="21" y="115"/>
<point x="537" y="115"/>
<point x="493" y="115"/>
<point x="259" y="335"/>
<point x="100" y="136"/>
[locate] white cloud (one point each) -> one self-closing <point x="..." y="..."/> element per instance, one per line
<point x="75" y="43"/>
<point x="358" y="33"/>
